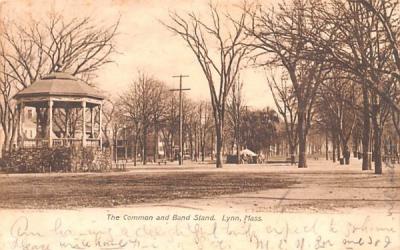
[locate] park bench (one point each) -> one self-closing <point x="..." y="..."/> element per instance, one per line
<point x="162" y="161"/>
<point x="287" y="160"/>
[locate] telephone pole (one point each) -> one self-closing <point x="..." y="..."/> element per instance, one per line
<point x="180" y="116"/>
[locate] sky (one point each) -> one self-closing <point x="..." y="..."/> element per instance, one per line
<point x="144" y="44"/>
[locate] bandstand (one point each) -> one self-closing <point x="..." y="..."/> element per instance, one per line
<point x="67" y="112"/>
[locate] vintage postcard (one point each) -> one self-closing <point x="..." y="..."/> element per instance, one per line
<point x="196" y="124"/>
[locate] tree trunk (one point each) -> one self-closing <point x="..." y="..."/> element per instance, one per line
<point x="155" y="154"/>
<point x="212" y="146"/>
<point x="112" y="153"/>
<point x="237" y="152"/>
<point x="196" y="144"/>
<point x="338" y="147"/>
<point x="9" y="126"/>
<point x="302" y="140"/>
<point x="116" y="150"/>
<point x="377" y="147"/>
<point x="135" y="150"/>
<point x="203" y="151"/>
<point x="191" y="146"/>
<point x="333" y="147"/>
<point x="6" y="142"/>
<point x="144" y="146"/>
<point x="326" y="147"/>
<point x="219" y="144"/>
<point x="292" y="149"/>
<point x="366" y="131"/>
<point x="346" y="154"/>
<point x="171" y="148"/>
<point x="237" y="138"/>
<point x="302" y="151"/>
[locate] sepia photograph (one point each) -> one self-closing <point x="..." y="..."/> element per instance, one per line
<point x="199" y="124"/>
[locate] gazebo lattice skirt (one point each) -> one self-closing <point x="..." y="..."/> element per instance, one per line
<point x="57" y="159"/>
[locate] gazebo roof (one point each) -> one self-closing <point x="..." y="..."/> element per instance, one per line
<point x="61" y="85"/>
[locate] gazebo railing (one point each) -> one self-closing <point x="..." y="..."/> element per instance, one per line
<point x="93" y="143"/>
<point x="59" y="142"/>
<point x="35" y="143"/>
<point x="65" y="142"/>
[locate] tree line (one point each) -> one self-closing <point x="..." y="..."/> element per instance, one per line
<point x="338" y="62"/>
<point x="148" y="110"/>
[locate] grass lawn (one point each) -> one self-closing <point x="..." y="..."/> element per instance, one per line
<point x="267" y="186"/>
<point x="126" y="188"/>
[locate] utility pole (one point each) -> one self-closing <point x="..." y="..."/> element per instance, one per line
<point x="125" y="145"/>
<point x="180" y="116"/>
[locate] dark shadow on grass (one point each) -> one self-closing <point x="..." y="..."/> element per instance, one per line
<point x="117" y="190"/>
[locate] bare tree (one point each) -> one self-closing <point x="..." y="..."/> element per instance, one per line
<point x="143" y="108"/>
<point x="280" y="40"/>
<point x="159" y="113"/>
<point x="206" y="125"/>
<point x="338" y="106"/>
<point x="116" y="121"/>
<point x="132" y="112"/>
<point x="286" y="104"/>
<point x="388" y="15"/>
<point x="78" y="46"/>
<point x="8" y="116"/>
<point x="235" y="108"/>
<point x="190" y="126"/>
<point x="170" y="125"/>
<point x="355" y="43"/>
<point x="220" y="66"/>
<point x="109" y="118"/>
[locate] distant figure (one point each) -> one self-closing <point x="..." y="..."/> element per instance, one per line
<point x="261" y="158"/>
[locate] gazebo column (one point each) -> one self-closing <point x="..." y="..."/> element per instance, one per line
<point x="91" y="123"/>
<point x="66" y="141"/>
<point x="50" y="123"/>
<point x="84" y="123"/>
<point x="37" y="109"/>
<point x="21" y="124"/>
